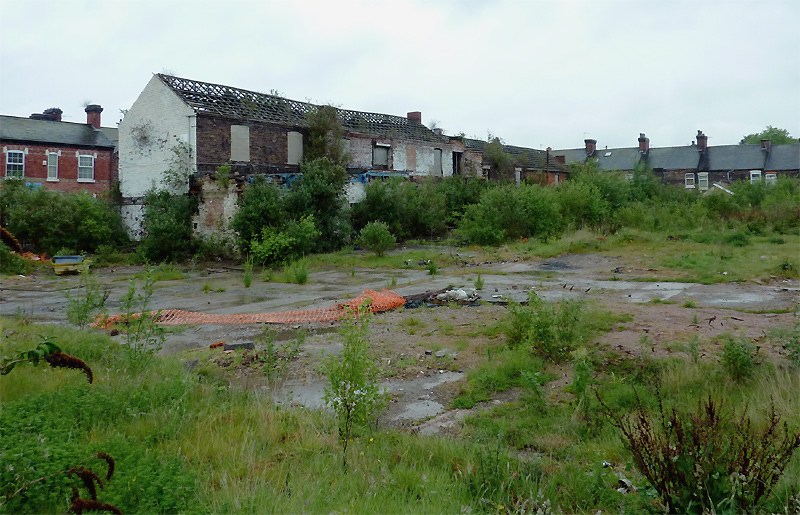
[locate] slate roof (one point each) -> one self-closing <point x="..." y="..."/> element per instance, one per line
<point x="14" y="128"/>
<point x="718" y="158"/>
<point x="226" y="101"/>
<point x="784" y="157"/>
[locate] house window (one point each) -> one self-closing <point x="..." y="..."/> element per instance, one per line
<point x="15" y="163"/>
<point x="629" y="176"/>
<point x="688" y="181"/>
<point x="85" y="168"/>
<point x="380" y="157"/>
<point x="755" y="176"/>
<point x="771" y="178"/>
<point x="702" y="181"/>
<point x="240" y="143"/>
<point x="437" y="161"/>
<point x="52" y="166"/>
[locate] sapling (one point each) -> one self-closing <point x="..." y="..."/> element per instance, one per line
<point x="353" y="390"/>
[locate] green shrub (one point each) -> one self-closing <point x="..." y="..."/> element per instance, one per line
<point x="551" y="330"/>
<point x="260" y="205"/>
<point x="377" y="238"/>
<point x="279" y="246"/>
<point x="168" y="233"/>
<point x="297" y="272"/>
<point x="353" y="389"/>
<point x="49" y="220"/>
<point x="738" y="356"/>
<point x="12" y="264"/>
<point x="248" y="271"/>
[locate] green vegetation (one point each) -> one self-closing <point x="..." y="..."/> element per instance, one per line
<point x="775" y="135"/>
<point x="167" y="226"/>
<point x="50" y="221"/>
<point x="353" y="391"/>
<point x="377" y="238"/>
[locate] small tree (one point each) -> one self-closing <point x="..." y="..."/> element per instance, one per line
<point x="377" y="238"/>
<point x="325" y="134"/>
<point x="354" y="391"/>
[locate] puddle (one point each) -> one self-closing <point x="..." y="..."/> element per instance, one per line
<point x="417" y="390"/>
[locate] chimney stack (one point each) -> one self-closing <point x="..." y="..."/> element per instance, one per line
<point x="644" y="143"/>
<point x="702" y="141"/>
<point x="591" y="146"/>
<point x="54" y="113"/>
<point x="93" y="115"/>
<point x="415" y="116"/>
<point x="765" y="143"/>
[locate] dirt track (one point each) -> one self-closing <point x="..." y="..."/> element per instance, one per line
<point x="424" y="352"/>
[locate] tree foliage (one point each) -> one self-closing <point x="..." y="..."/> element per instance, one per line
<point x="325" y="134"/>
<point x="50" y="221"/>
<point x="775" y="135"/>
<point x="320" y="192"/>
<point x="167" y="226"/>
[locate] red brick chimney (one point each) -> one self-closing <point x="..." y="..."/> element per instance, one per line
<point x="702" y="141"/>
<point x="54" y="113"/>
<point x="415" y="116"/>
<point x="765" y="143"/>
<point x="93" y="115"/>
<point x="644" y="143"/>
<point x="591" y="146"/>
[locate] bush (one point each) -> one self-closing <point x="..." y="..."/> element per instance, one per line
<point x="168" y="233"/>
<point x="709" y="461"/>
<point x="377" y="238"/>
<point x="738" y="357"/>
<point x="551" y="330"/>
<point x="280" y="246"/>
<point x="260" y="205"/>
<point x="48" y="220"/>
<point x="320" y="192"/>
<point x="12" y="264"/>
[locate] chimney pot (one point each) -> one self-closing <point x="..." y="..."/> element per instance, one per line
<point x="591" y="146"/>
<point x="415" y="116"/>
<point x="644" y="143"/>
<point x="93" y="115"/>
<point x="765" y="144"/>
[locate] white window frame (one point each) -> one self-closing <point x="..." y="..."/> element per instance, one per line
<point x="52" y="166"/>
<point x="9" y="164"/>
<point x="702" y="181"/>
<point x="81" y="168"/>
<point x="688" y="180"/>
<point x="771" y="178"/>
<point x="755" y="176"/>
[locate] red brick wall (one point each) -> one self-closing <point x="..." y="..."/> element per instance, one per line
<point x="268" y="143"/>
<point x="36" y="167"/>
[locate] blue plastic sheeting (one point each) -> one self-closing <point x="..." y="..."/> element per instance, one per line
<point x="368" y="176"/>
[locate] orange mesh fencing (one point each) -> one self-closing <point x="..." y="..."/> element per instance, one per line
<point x="383" y="300"/>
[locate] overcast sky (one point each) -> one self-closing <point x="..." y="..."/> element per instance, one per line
<point x="536" y="73"/>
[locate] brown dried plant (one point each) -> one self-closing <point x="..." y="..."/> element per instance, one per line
<point x="707" y="459"/>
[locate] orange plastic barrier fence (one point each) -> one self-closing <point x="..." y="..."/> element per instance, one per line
<point x="383" y="300"/>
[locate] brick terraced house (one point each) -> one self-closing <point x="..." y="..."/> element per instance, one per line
<point x="697" y="166"/>
<point x="45" y="152"/>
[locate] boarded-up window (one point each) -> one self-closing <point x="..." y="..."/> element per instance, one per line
<point x="380" y="157"/>
<point x="295" y="148"/>
<point x="240" y="143"/>
<point x="437" y="161"/>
